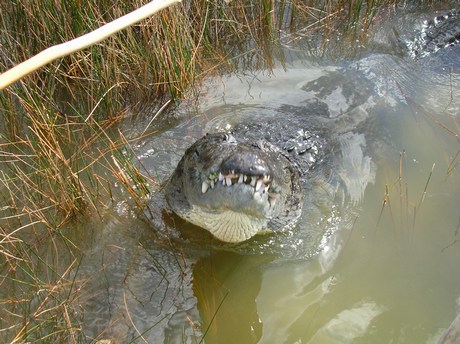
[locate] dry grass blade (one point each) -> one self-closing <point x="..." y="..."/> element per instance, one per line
<point x="214" y="316"/>
<point x="422" y="198"/>
<point x="129" y="175"/>
<point x="455" y="161"/>
<point x="385" y="204"/>
<point x="131" y="320"/>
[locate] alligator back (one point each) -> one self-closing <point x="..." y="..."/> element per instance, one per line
<point x="438" y="33"/>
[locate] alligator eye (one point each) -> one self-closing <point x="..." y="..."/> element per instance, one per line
<point x="196" y="153"/>
<point x="440" y="18"/>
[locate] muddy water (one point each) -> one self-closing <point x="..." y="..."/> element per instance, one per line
<point x="387" y="274"/>
<point x="392" y="278"/>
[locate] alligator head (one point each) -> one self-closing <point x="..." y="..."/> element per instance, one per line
<point x="234" y="188"/>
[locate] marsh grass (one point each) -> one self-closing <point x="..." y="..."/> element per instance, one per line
<point x="403" y="203"/>
<point x="40" y="289"/>
<point x="407" y="201"/>
<point x="61" y="152"/>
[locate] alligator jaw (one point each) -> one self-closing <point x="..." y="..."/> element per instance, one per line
<point x="260" y="184"/>
<point x="227" y="226"/>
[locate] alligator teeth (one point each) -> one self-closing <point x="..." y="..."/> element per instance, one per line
<point x="228" y="179"/>
<point x="204" y="187"/>
<point x="259" y="184"/>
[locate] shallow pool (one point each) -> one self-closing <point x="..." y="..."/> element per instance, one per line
<point x="388" y="274"/>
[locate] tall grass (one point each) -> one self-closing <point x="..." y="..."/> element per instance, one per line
<point x="60" y="149"/>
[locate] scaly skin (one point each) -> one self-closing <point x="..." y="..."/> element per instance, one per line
<point x="438" y="33"/>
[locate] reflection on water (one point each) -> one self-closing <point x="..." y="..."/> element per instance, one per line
<point x="140" y="290"/>
<point x="390" y="276"/>
<point x="227" y="286"/>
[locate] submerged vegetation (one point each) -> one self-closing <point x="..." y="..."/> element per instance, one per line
<point x="60" y="147"/>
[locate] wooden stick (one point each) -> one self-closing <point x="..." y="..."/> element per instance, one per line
<point x="82" y="42"/>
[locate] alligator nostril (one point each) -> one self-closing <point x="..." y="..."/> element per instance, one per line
<point x="246" y="162"/>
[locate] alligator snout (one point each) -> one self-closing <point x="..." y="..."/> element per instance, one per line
<point x="246" y="162"/>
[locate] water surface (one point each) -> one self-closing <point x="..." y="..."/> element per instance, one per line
<point x="388" y="273"/>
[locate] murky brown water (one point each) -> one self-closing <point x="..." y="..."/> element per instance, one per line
<point x="389" y="274"/>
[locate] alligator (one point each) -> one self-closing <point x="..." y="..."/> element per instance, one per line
<point x="259" y="176"/>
